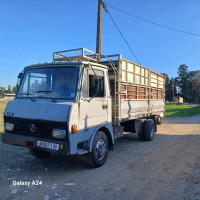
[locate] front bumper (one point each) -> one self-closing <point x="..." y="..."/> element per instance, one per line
<point x="26" y="141"/>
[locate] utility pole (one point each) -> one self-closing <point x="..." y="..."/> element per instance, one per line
<point x="99" y="27"/>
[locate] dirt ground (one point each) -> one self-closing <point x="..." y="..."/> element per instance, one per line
<point x="166" y="168"/>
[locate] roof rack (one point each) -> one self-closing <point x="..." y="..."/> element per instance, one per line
<point x="80" y="54"/>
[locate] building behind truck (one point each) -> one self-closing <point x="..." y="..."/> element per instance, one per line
<point x="81" y="102"/>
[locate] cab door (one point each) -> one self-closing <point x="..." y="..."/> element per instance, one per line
<point x="94" y="99"/>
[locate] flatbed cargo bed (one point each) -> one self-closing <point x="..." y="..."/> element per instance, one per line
<point x="139" y="91"/>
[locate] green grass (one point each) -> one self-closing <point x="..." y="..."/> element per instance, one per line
<point x="2" y="108"/>
<point x="181" y="110"/>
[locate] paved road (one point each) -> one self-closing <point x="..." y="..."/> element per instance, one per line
<point x="166" y="168"/>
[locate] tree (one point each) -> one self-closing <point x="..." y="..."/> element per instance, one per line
<point x="9" y="90"/>
<point x="168" y="89"/>
<point x="196" y="86"/>
<point x="171" y="84"/>
<point x="184" y="82"/>
<point x="14" y="89"/>
<point x="2" y="89"/>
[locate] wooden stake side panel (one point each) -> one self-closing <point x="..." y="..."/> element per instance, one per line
<point x="139" y="75"/>
<point x="141" y="92"/>
<point x="138" y="82"/>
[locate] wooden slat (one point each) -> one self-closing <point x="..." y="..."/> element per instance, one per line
<point x="132" y="92"/>
<point x="131" y="88"/>
<point x="123" y="87"/>
<point x="137" y="92"/>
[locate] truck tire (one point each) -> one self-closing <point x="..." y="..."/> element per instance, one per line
<point x="99" y="153"/>
<point x="148" y="130"/>
<point x="39" y="153"/>
<point x="141" y="136"/>
<point x="159" y="120"/>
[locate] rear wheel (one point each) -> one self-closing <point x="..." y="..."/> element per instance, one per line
<point x="99" y="153"/>
<point x="148" y="130"/>
<point x="141" y="136"/>
<point x="39" y="153"/>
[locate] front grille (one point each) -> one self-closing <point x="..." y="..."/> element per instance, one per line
<point x="43" y="128"/>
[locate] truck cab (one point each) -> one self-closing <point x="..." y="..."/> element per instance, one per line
<point x="59" y="107"/>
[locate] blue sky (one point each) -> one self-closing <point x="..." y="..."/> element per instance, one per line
<point x="30" y="30"/>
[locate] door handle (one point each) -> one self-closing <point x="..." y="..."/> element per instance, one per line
<point x="105" y="106"/>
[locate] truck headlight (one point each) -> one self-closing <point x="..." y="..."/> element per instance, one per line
<point x="57" y="133"/>
<point x="9" y="126"/>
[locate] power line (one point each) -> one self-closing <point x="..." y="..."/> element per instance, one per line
<point x="106" y="10"/>
<point x="157" y="24"/>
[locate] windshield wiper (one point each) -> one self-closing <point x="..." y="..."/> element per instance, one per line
<point x="44" y="91"/>
<point x="26" y="94"/>
<point x="32" y="99"/>
<point x="53" y="100"/>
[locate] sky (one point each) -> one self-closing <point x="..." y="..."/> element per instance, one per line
<point x="31" y="30"/>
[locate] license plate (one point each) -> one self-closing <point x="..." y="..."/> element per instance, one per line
<point x="48" y="145"/>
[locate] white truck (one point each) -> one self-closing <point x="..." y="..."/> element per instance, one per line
<point x="81" y="102"/>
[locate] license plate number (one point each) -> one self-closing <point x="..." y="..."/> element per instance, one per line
<point x="48" y="145"/>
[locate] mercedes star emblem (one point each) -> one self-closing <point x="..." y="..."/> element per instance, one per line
<point x="32" y="128"/>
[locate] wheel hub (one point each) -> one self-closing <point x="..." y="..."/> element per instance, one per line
<point x="100" y="149"/>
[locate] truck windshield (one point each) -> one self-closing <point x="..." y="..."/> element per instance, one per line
<point x="58" y="83"/>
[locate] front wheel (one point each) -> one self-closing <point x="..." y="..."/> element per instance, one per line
<point x="99" y="153"/>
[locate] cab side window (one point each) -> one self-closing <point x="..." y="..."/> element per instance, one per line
<point x="93" y="84"/>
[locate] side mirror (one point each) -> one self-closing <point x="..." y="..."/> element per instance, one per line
<point x="20" y="75"/>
